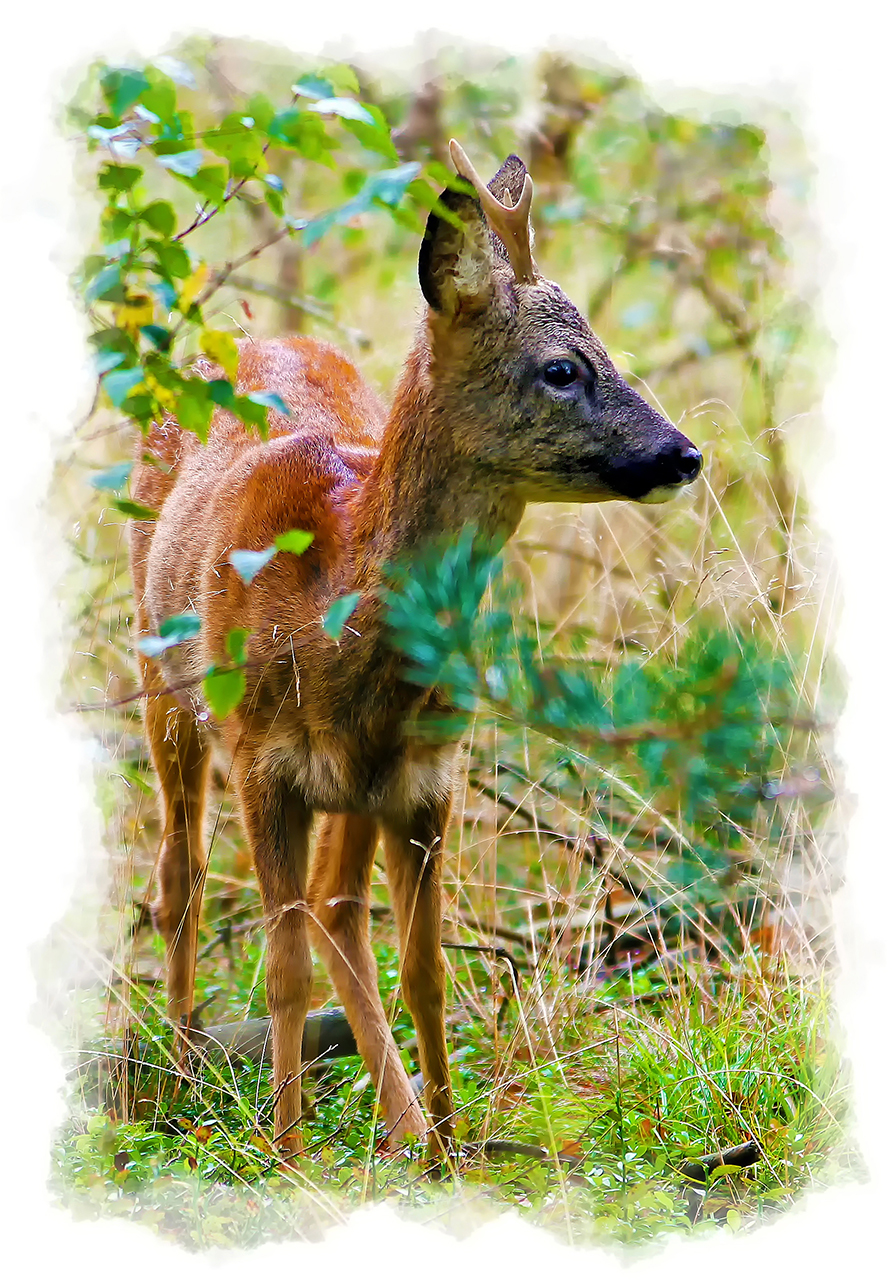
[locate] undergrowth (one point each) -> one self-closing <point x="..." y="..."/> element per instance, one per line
<point x="622" y="1081"/>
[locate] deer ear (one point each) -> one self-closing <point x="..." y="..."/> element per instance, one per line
<point x="455" y="266"/>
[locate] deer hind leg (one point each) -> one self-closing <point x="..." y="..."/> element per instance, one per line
<point x="276" y="821"/>
<point x="339" y="897"/>
<point x="180" y="756"/>
<point x="414" y="857"/>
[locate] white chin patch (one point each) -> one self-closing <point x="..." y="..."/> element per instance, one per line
<point x="662" y="494"/>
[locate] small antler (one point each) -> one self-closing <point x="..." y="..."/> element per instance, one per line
<point x="511" y="223"/>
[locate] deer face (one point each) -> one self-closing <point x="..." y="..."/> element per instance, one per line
<point x="533" y="396"/>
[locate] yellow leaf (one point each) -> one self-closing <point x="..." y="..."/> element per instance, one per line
<point x="258" y="1140"/>
<point x="136" y="310"/>
<point x="193" y="286"/>
<point x="220" y="347"/>
<point x="165" y="397"/>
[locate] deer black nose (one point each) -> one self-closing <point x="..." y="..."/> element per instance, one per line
<point x="654" y="477"/>
<point x="688" y="460"/>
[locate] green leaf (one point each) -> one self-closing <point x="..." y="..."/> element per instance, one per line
<point x="318" y="227"/>
<point x="388" y="186"/>
<point x="159" y="337"/>
<point x="274" y="202"/>
<point x="286" y="125"/>
<point x="221" y="392"/>
<point x="105" y="360"/>
<point x="271" y="400"/>
<point x="235" y="644"/>
<point x="142" y="408"/>
<point x="120" y="382"/>
<point x="113" y="478"/>
<point x="338" y="613"/>
<point x="164" y="372"/>
<point x="184" y="626"/>
<point x="209" y="183"/>
<point x="428" y="197"/>
<point x="223" y="690"/>
<point x="407" y="218"/>
<point x="173" y="259"/>
<point x="106" y="285"/>
<point x="159" y="100"/>
<point x="302" y="131"/>
<point x="195" y="406"/>
<point x="313" y="87"/>
<point x="122" y="86"/>
<point x="112" y="338"/>
<point x="251" y="413"/>
<point x="295" y="540"/>
<point x="345" y="108"/>
<point x="160" y="216"/>
<point x="248" y="564"/>
<point x="173" y="631"/>
<point x="261" y="110"/>
<point x="119" y="177"/>
<point x="129" y="771"/>
<point x="184" y="163"/>
<point x="91" y="264"/>
<point x="342" y="79"/>
<point x="116" y="224"/>
<point x="375" y="136"/>
<point x="238" y="142"/>
<point x="135" y="510"/>
<point x="165" y="293"/>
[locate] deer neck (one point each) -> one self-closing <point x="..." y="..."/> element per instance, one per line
<point x="423" y="493"/>
<point x="425" y="490"/>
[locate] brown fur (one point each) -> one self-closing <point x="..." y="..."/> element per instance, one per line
<point x="474" y="433"/>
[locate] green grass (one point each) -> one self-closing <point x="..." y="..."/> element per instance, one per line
<point x="631" y="1076"/>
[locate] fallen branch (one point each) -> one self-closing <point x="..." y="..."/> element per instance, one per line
<point x="696" y="1173"/>
<point x="327" y="1035"/>
<point x="504" y="1147"/>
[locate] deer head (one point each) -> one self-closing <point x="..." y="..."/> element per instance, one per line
<point x="532" y="397"/>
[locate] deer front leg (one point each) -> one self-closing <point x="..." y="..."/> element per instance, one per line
<point x="413" y="853"/>
<point x="179" y="754"/>
<point x="277" y="822"/>
<point x="339" y="896"/>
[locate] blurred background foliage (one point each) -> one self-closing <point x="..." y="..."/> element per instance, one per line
<point x="648" y="766"/>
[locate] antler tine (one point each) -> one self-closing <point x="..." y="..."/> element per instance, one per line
<point x="511" y="223"/>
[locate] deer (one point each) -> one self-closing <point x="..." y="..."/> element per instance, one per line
<point x="506" y="398"/>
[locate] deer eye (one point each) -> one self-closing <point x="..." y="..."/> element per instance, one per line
<point x="560" y="373"/>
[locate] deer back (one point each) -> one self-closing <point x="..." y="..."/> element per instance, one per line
<point x="239" y="493"/>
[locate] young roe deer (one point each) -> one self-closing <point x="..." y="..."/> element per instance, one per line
<point x="506" y="398"/>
